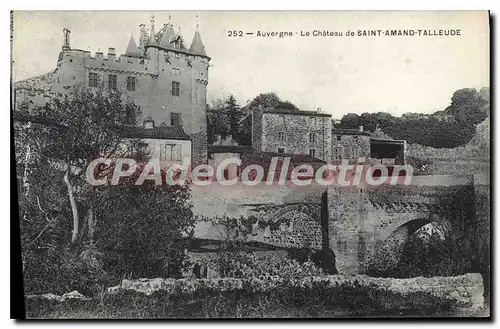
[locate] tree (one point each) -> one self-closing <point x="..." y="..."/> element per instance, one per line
<point x="79" y="129"/>
<point x="61" y="139"/>
<point x="468" y="105"/>
<point x="233" y="114"/>
<point x="271" y="100"/>
<point x="143" y="228"/>
<point x="217" y="123"/>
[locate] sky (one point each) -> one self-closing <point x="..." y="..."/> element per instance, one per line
<point x="339" y="74"/>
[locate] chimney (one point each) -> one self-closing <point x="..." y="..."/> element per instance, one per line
<point x="152" y="30"/>
<point x="66" y="34"/>
<point x="143" y="38"/>
<point x="99" y="55"/>
<point x="111" y="53"/>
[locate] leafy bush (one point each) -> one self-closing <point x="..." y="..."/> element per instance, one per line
<point x="61" y="271"/>
<point x="262" y="266"/>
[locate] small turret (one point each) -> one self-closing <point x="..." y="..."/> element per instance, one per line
<point x="132" y="50"/>
<point x="197" y="46"/>
<point x="66" y="34"/>
<point x="152" y="52"/>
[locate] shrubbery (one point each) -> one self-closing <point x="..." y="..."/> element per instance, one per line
<point x="283" y="300"/>
<point x="262" y="266"/>
<point x="75" y="236"/>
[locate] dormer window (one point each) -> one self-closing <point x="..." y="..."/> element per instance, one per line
<point x="149" y="123"/>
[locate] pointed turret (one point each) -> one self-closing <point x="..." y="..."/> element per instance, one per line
<point x="132" y="49"/>
<point x="197" y="46"/>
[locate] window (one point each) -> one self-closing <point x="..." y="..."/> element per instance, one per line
<point x="281" y="150"/>
<point x="281" y="136"/>
<point x="282" y="118"/>
<point x="355" y="152"/>
<point x="176" y="71"/>
<point x="313" y="121"/>
<point x="338" y="152"/>
<point x="175" y="119"/>
<point x="312" y="152"/>
<point x="177" y="55"/>
<point x="93" y="79"/>
<point x="131" y="83"/>
<point x="112" y="82"/>
<point x="175" y="88"/>
<point x="170" y="152"/>
<point x="312" y="137"/>
<point x="339" y="138"/>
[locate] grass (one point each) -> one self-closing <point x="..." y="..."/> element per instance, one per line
<point x="281" y="302"/>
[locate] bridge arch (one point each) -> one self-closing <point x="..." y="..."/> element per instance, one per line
<point x="389" y="249"/>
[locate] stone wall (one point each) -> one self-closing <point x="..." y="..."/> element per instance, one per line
<point x="352" y="146"/>
<point x="467" y="289"/>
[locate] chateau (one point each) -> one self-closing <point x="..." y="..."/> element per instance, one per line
<point x="160" y="73"/>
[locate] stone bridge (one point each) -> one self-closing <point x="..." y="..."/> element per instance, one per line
<point x="374" y="222"/>
<point x="358" y="223"/>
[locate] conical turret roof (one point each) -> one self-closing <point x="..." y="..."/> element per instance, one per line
<point x="132" y="49"/>
<point x="197" y="46"/>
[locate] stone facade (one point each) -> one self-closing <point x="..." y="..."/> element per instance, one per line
<point x="351" y="145"/>
<point x="292" y="132"/>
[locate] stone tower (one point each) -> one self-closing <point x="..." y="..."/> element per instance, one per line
<point x="179" y="87"/>
<point x="160" y="73"/>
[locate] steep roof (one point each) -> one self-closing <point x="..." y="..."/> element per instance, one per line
<point x="166" y="37"/>
<point x="197" y="46"/>
<point x="132" y="49"/>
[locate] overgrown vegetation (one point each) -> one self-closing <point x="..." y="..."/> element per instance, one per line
<point x="317" y="299"/>
<point x="76" y="236"/>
